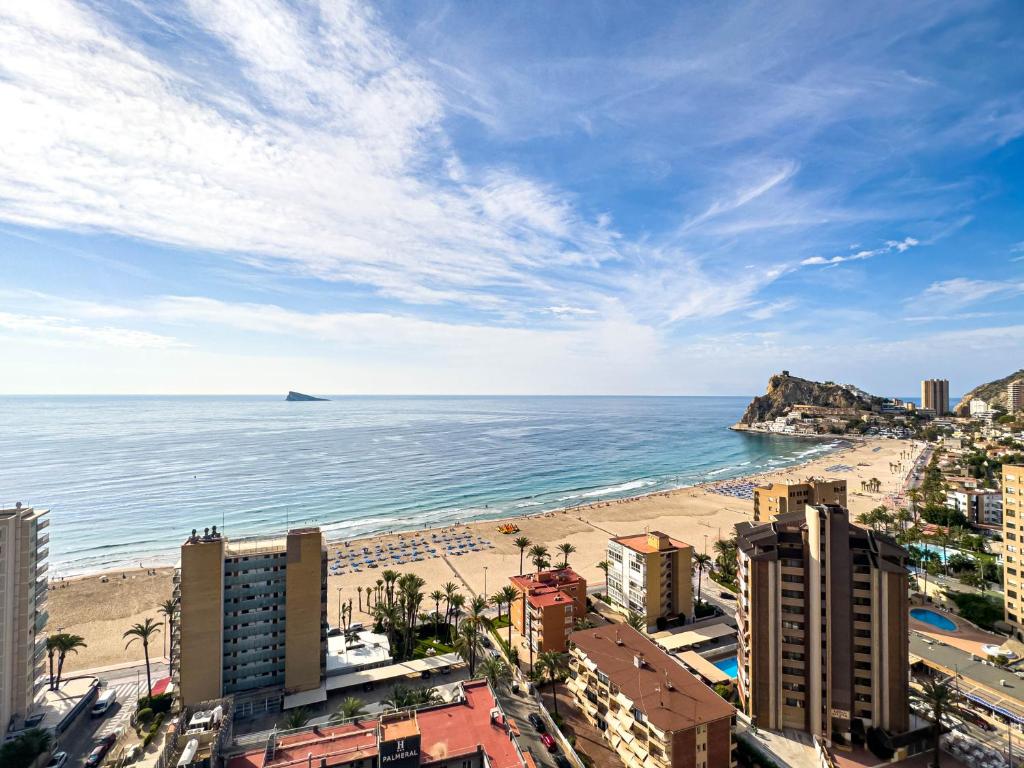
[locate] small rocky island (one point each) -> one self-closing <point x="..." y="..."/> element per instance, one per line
<point x="298" y="397"/>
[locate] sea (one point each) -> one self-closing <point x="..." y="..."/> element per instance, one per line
<point x="127" y="478"/>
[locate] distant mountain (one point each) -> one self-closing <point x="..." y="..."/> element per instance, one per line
<point x="993" y="393"/>
<point x="785" y="391"/>
<point x="298" y="397"/>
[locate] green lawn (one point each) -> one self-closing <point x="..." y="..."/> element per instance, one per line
<point x="423" y="645"/>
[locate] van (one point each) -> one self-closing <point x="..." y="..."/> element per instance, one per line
<point x="104" y="703"/>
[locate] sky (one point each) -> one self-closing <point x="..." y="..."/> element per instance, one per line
<point x="252" y="196"/>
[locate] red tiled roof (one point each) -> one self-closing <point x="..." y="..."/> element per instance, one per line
<point x="542" y="597"/>
<point x="552" y="578"/>
<point x="639" y="542"/>
<point x="447" y="731"/>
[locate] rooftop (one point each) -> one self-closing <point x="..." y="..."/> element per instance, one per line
<point x="542" y="597"/>
<point x="554" y="577"/>
<point x="446" y="732"/>
<point x="671" y="697"/>
<point x="642" y="542"/>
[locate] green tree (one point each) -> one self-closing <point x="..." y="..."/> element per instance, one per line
<point x="636" y="621"/>
<point x="509" y="594"/>
<point x="603" y="567"/>
<point x="66" y="643"/>
<point x="22" y="750"/>
<point x="169" y="609"/>
<point x="437" y="596"/>
<point x="349" y="707"/>
<point x="553" y="664"/>
<point x="939" y="699"/>
<point x="51" y="651"/>
<point x="295" y="718"/>
<point x="539" y="557"/>
<point x="496" y="671"/>
<point x="143" y="632"/>
<point x="522" y="543"/>
<point x="566" y="549"/>
<point x="702" y="561"/>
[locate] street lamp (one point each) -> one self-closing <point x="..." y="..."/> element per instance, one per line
<point x="339" y="607"/>
<point x="485" y="581"/>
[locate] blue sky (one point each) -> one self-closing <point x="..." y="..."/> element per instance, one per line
<point x="253" y="196"/>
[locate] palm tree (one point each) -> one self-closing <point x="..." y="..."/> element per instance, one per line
<point x="51" y="649"/>
<point x="539" y="557"/>
<point x="496" y="671"/>
<point x="603" y="566"/>
<point x="702" y="561"/>
<point x="359" y="592"/>
<point x="168" y="608"/>
<point x="458" y="603"/>
<point x="522" y="542"/>
<point x="437" y="596"/>
<point x="509" y="595"/>
<point x="66" y="644"/>
<point x="498" y="600"/>
<point x="390" y="577"/>
<point x="566" y="549"/>
<point x="939" y="698"/>
<point x="450" y="591"/>
<point x="636" y="621"/>
<point x="553" y="664"/>
<point x="350" y="707"/>
<point x="297" y="718"/>
<point x="143" y="632"/>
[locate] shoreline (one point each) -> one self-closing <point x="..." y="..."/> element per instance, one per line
<point x="99" y="606"/>
<point x="843" y="442"/>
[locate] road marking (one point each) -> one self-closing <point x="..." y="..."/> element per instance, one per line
<point x="126" y="698"/>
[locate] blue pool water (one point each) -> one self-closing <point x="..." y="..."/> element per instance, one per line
<point x="729" y="666"/>
<point x="935" y="619"/>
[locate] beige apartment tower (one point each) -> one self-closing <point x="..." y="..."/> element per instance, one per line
<point x="1013" y="509"/>
<point x="776" y="499"/>
<point x="252" y="618"/>
<point x="935" y="395"/>
<point x="23" y="550"/>
<point x="649" y="573"/>
<point x="822" y="615"/>
<point x="1015" y="396"/>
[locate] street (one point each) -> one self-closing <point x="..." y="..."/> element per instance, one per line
<point x="79" y="740"/>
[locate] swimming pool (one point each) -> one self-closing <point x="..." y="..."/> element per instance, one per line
<point x="728" y="665"/>
<point x="937" y="620"/>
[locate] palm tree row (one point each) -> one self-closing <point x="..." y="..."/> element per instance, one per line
<point x="61" y="644"/>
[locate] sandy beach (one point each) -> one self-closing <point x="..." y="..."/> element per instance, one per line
<point x="100" y="612"/>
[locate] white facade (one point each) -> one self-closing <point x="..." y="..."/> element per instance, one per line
<point x="627" y="577"/>
<point x="979" y="507"/>
<point x="979" y="407"/>
<point x="23" y="585"/>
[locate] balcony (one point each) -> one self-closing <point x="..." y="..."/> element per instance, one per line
<point x="42" y="541"/>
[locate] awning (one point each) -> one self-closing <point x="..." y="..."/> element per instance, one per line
<point x="305" y="698"/>
<point x="995" y="708"/>
<point x="380" y="674"/>
<point x="704" y="668"/>
<point x="694" y="637"/>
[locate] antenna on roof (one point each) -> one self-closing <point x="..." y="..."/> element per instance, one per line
<point x="668" y="682"/>
<point x="618" y="637"/>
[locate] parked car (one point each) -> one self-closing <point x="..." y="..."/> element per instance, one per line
<point x="58" y="760"/>
<point x="537" y="722"/>
<point x="100" y="750"/>
<point x="485" y="641"/>
<point x="726" y="595"/>
<point x="548" y="742"/>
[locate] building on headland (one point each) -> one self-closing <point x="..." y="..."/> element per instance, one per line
<point x="472" y="731"/>
<point x="650" y="710"/>
<point x="979" y="407"/>
<point x="548" y="606"/>
<point x="649" y="573"/>
<point x="935" y="396"/>
<point x="23" y="584"/>
<point x="1013" y="578"/>
<point x="823" y="625"/>
<point x="776" y="499"/>
<point x="252" y="618"/>
<point x="1015" y="396"/>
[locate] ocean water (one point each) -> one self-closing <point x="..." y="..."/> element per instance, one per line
<point x="127" y="478"/>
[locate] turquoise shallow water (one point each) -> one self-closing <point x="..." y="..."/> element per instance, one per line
<point x="126" y="478"/>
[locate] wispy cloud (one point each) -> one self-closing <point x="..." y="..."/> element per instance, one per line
<point x="891" y="246"/>
<point x="962" y="291"/>
<point x="62" y="330"/>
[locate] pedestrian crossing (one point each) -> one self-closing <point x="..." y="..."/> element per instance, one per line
<point x="121" y="713"/>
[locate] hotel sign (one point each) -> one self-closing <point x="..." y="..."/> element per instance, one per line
<point x="400" y="753"/>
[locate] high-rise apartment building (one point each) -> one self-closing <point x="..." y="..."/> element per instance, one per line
<point x="1015" y="396"/>
<point x="649" y="573"/>
<point x="23" y="551"/>
<point x="548" y="606"/>
<point x="1013" y="578"/>
<point x="935" y="396"/>
<point x="823" y="625"/>
<point x="650" y="710"/>
<point x="252" y="618"/>
<point x="776" y="499"/>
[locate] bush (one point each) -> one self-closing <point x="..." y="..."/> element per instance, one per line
<point x="159" y="703"/>
<point x="983" y="610"/>
<point x="144" y="715"/>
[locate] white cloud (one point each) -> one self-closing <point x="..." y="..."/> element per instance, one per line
<point x="962" y="291"/>
<point x="318" y="157"/>
<point x="61" y="330"/>
<point x="899" y="246"/>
